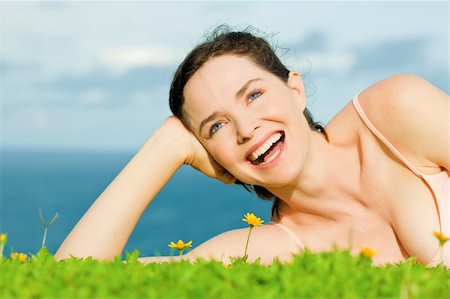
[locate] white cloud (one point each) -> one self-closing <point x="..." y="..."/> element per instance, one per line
<point x="121" y="59"/>
<point x="338" y="62"/>
<point x="93" y="96"/>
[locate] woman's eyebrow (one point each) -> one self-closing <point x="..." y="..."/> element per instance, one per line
<point x="239" y="93"/>
<point x="207" y="120"/>
<point x="245" y="86"/>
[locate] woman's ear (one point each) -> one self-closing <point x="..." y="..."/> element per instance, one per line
<point x="295" y="82"/>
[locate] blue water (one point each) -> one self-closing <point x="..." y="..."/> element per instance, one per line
<point x="190" y="207"/>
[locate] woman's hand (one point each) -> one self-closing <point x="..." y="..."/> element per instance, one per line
<point x="194" y="152"/>
<point x="105" y="228"/>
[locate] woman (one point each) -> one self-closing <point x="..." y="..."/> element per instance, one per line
<point x="376" y="176"/>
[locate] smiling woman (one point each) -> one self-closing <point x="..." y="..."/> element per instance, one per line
<point x="243" y="45"/>
<point x="240" y="116"/>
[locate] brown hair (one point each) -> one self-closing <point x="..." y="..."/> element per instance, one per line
<point x="224" y="41"/>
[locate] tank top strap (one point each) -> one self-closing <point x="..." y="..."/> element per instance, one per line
<point x="372" y="128"/>
<point x="293" y="236"/>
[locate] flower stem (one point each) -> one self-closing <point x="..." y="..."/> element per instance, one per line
<point x="45" y="237"/>
<point x="248" y="239"/>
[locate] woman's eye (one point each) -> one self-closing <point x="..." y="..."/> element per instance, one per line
<point x="215" y="127"/>
<point x="254" y="95"/>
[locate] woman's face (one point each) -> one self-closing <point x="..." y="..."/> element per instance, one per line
<point x="249" y="120"/>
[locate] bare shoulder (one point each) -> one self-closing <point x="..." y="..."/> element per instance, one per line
<point x="266" y="242"/>
<point x="413" y="115"/>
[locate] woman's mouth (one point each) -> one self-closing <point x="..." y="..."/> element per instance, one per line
<point x="268" y="151"/>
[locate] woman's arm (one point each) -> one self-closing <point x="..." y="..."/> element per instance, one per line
<point x="105" y="228"/>
<point x="267" y="242"/>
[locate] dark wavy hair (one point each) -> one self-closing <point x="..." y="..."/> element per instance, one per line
<point x="243" y="43"/>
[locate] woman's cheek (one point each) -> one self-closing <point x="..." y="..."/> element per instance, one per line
<point x="275" y="107"/>
<point x="221" y="153"/>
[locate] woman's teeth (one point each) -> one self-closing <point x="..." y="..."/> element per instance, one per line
<point x="263" y="148"/>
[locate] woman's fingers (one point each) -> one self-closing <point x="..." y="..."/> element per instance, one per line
<point x="204" y="162"/>
<point x="228" y="178"/>
<point x="195" y="153"/>
<point x="221" y="173"/>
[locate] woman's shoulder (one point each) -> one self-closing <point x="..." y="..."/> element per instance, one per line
<point x="266" y="242"/>
<point x="408" y="111"/>
<point x="412" y="114"/>
<point x="399" y="95"/>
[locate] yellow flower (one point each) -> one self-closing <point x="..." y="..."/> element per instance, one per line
<point x="3" y="238"/>
<point x="252" y="220"/>
<point x="442" y="239"/>
<point x="368" y="252"/>
<point x="19" y="256"/>
<point x="180" y="245"/>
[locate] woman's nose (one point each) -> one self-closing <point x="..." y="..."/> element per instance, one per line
<point x="246" y="130"/>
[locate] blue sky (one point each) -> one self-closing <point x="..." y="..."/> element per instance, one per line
<point x="95" y="76"/>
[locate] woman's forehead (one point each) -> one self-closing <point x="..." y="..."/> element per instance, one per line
<point x="216" y="83"/>
<point x="224" y="72"/>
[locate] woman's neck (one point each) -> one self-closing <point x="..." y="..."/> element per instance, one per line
<point x="330" y="181"/>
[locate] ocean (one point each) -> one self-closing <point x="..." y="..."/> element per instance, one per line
<point x="190" y="207"/>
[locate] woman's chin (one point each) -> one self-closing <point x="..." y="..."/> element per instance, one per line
<point x="277" y="179"/>
<point x="275" y="183"/>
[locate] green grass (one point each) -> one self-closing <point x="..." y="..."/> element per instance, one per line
<point x="326" y="275"/>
